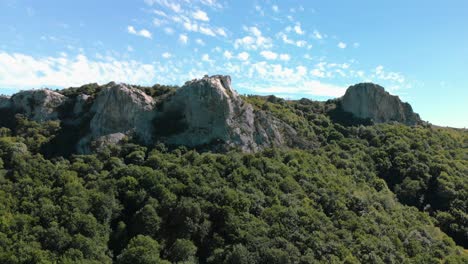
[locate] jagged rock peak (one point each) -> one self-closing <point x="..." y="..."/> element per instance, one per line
<point x="39" y="105"/>
<point x="368" y="100"/>
<point x="221" y="82"/>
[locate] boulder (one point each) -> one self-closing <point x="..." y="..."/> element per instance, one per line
<point x="38" y="105"/>
<point x="371" y="101"/>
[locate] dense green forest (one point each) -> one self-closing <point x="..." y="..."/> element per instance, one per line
<point x="385" y="193"/>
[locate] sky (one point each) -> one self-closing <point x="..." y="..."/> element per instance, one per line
<point x="416" y="49"/>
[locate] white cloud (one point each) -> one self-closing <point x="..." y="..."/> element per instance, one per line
<point x="211" y="3"/>
<point x="269" y="55"/>
<point x="194" y="20"/>
<point x="317" y="35"/>
<point x="183" y="38"/>
<point x="200" y="15"/>
<point x="285" y="57"/>
<point x="379" y="69"/>
<point x="143" y="32"/>
<point x="254" y="40"/>
<point x="221" y="32"/>
<point x="169" y="30"/>
<point x="157" y="22"/>
<point x="200" y="42"/>
<point x="24" y="72"/>
<point x="259" y="10"/>
<point x="175" y="7"/>
<point x="254" y="31"/>
<point x="304" y="88"/>
<point x="287" y="40"/>
<point x="243" y="56"/>
<point x="275" y="8"/>
<point x="206" y="58"/>
<point x="159" y="13"/>
<point x="188" y="25"/>
<point x="298" y="29"/>
<point x="301" y="70"/>
<point x="381" y="74"/>
<point x="301" y="43"/>
<point x="317" y="73"/>
<point x="207" y="31"/>
<point x="342" y="45"/>
<point x="274" y="78"/>
<point x="129" y="49"/>
<point x="227" y="55"/>
<point x="166" y="55"/>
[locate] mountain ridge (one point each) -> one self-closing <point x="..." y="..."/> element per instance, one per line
<point x="204" y="112"/>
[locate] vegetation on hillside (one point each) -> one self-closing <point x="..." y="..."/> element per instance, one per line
<point x="383" y="193"/>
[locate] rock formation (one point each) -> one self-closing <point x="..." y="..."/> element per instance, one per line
<point x="209" y="111"/>
<point x="205" y="113"/>
<point x="38" y="105"/>
<point x="368" y="100"/>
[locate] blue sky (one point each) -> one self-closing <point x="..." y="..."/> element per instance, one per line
<point x="316" y="49"/>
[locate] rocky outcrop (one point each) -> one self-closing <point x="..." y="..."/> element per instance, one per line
<point x="38" y="105"/>
<point x="371" y="101"/>
<point x="122" y="109"/>
<point x="209" y="111"/>
<point x="205" y="113"/>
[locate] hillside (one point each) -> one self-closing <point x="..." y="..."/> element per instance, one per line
<point x="199" y="174"/>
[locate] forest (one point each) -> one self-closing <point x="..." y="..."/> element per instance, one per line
<point x="364" y="193"/>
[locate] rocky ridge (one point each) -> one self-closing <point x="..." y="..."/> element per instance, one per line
<point x="203" y="113"/>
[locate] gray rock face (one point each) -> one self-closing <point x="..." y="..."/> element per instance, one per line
<point x="368" y="100"/>
<point x="122" y="109"/>
<point x="39" y="105"/>
<point x="205" y="113"/>
<point x="209" y="111"/>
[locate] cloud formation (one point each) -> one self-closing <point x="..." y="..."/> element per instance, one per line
<point x="24" y="72"/>
<point x="200" y="15"/>
<point x="143" y="32"/>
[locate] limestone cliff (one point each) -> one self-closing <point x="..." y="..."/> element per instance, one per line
<point x="371" y="101"/>
<point x="204" y="113"/>
<point x="209" y="111"/>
